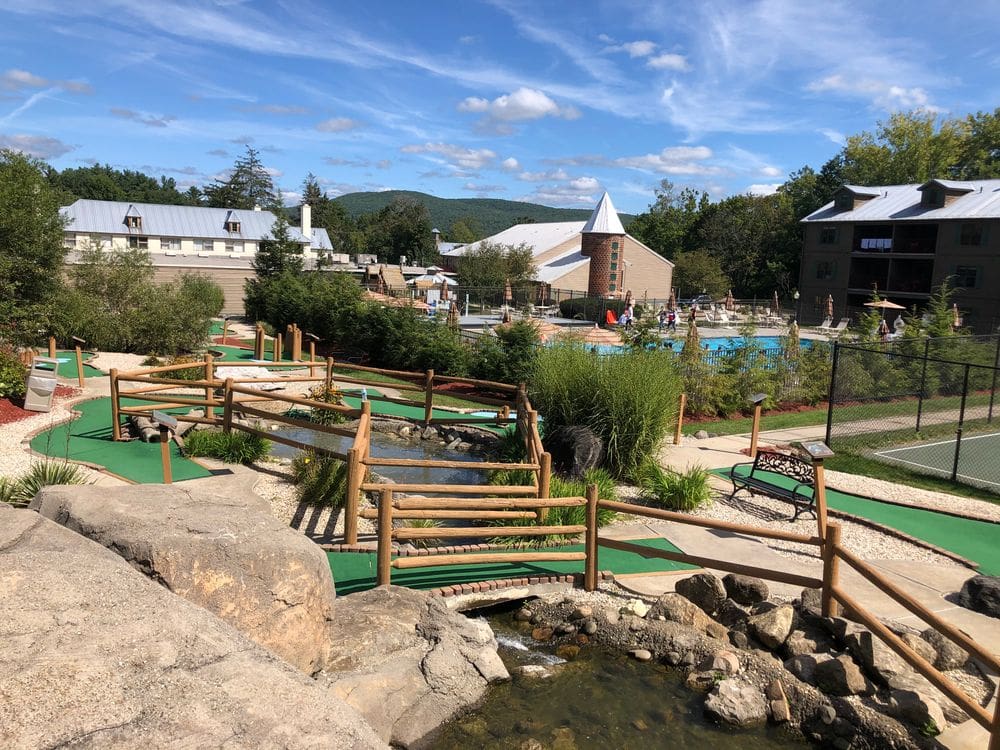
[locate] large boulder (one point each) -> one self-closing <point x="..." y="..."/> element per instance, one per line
<point x="841" y="676"/>
<point x="676" y="608"/>
<point x="222" y="550"/>
<point x="407" y="662"/>
<point x="947" y="653"/>
<point x="574" y="449"/>
<point x="882" y="664"/>
<point x="772" y="627"/>
<point x="94" y="654"/>
<point x="918" y="709"/>
<point x="736" y="702"/>
<point x="704" y="589"/>
<point x="745" y="590"/>
<point x="982" y="594"/>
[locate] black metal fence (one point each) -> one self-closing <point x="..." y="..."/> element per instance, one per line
<point x="927" y="405"/>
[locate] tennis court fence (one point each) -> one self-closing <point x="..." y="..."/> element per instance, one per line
<point x="928" y="405"/>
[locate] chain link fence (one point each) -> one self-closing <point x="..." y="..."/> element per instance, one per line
<point x="926" y="405"/>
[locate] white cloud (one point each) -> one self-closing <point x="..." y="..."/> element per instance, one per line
<point x="669" y="61"/>
<point x="641" y="48"/>
<point x="337" y="125"/>
<point x="143" y="118"/>
<point x="510" y="164"/>
<point x="40" y="146"/>
<point x="834" y="136"/>
<point x="522" y="104"/>
<point x="765" y="189"/>
<point x="672" y="160"/>
<point x="552" y="174"/>
<point x="769" y="171"/>
<point x="274" y="109"/>
<point x="483" y="189"/>
<point x="457" y="156"/>
<point x="883" y="94"/>
<point x="18" y="80"/>
<point x="383" y="164"/>
<point x="579" y="191"/>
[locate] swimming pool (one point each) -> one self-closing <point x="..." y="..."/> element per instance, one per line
<point x="714" y="344"/>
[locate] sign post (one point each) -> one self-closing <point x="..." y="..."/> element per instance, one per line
<point x="167" y="424"/>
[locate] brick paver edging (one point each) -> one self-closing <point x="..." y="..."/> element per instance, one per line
<point x="481" y="587"/>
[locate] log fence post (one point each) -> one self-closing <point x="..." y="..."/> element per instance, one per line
<point x="590" y="566"/>
<point x="116" y="427"/>
<point x="165" y="454"/>
<point x="384" y="570"/>
<point x="680" y="419"/>
<point x="209" y="390"/>
<point x="52" y="347"/>
<point x="831" y="570"/>
<point x="429" y="397"/>
<point x="328" y="381"/>
<point x="544" y="478"/>
<point x="277" y="347"/>
<point x="79" y="365"/>
<point x="820" y="492"/>
<point x="227" y="409"/>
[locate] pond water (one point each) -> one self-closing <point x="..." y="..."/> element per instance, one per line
<point x="390" y="446"/>
<point x="597" y="701"/>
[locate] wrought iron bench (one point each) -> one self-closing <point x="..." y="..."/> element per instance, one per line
<point x="752" y="476"/>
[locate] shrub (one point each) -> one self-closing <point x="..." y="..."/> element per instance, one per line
<point x="326" y="395"/>
<point x="424" y="523"/>
<point x="321" y="480"/>
<point x="686" y="490"/>
<point x="20" y="490"/>
<point x="12" y="373"/>
<point x="629" y="400"/>
<point x="509" y="356"/>
<point x="188" y="373"/>
<point x="230" y="447"/>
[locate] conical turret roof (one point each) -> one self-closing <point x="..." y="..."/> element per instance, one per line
<point x="605" y="219"/>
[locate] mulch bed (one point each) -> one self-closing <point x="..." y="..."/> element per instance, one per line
<point x="13" y="412"/>
<point x="231" y="341"/>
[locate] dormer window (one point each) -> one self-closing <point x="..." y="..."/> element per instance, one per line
<point x="932" y="197"/>
<point x="233" y="226"/>
<point x="844" y="201"/>
<point x="133" y="222"/>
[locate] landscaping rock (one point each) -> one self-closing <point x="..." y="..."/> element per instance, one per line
<point x="882" y="664"/>
<point x="922" y="647"/>
<point x="737" y="703"/>
<point x="701" y="682"/>
<point x="778" y="706"/>
<point x="574" y="449"/>
<point x="94" y="654"/>
<point x="676" y="608"/>
<point x="717" y="630"/>
<point x="772" y="627"/>
<point x="918" y="709"/>
<point x="811" y="602"/>
<point x="799" y="643"/>
<point x="731" y="614"/>
<point x="739" y="639"/>
<point x="948" y="655"/>
<point x="745" y="590"/>
<point x="429" y="433"/>
<point x="725" y="662"/>
<point x="582" y="612"/>
<point x="398" y="642"/>
<point x="981" y="594"/>
<point x="704" y="589"/>
<point x="636" y="608"/>
<point x="640" y="654"/>
<point x="219" y="549"/>
<point x="841" y="676"/>
<point x="701" y="435"/>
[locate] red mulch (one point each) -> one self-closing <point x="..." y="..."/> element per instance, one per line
<point x="468" y="389"/>
<point x="11" y="412"/>
<point x="230" y="341"/>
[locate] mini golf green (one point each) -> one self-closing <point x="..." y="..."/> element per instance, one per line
<point x="356" y="571"/>
<point x="88" y="438"/>
<point x="67" y="365"/>
<point x="238" y="354"/>
<point x="973" y="540"/>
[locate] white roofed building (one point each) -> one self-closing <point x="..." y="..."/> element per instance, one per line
<point x="596" y="257"/>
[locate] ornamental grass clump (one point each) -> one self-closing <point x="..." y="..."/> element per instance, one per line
<point x="229" y="447"/>
<point x="320" y="480"/>
<point x="684" y="490"/>
<point x="629" y="400"/>
<point x="19" y="491"/>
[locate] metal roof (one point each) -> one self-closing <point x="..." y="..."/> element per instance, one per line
<point x="902" y="203"/>
<point x="197" y="222"/>
<point x="560" y="266"/>
<point x="539" y="237"/>
<point x="605" y="219"/>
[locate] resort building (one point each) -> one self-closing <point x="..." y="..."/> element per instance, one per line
<point x="219" y="242"/>
<point x="905" y="240"/>
<point x="596" y="257"/>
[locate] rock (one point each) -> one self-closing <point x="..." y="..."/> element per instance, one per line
<point x="398" y="642"/>
<point x="676" y="608"/>
<point x="717" y="630"/>
<point x="429" y="433"/>
<point x="731" y="614"/>
<point x="804" y="666"/>
<point x="799" y="643"/>
<point x="811" y="602"/>
<point x="405" y="431"/>
<point x="703" y="589"/>
<point x="463" y="446"/>
<point x="567" y="651"/>
<point x="701" y="682"/>
<point x="919" y="710"/>
<point x="701" y="435"/>
<point x="688" y="660"/>
<point x="533" y="671"/>
<point x="574" y="449"/>
<point x="773" y="627"/>
<point x="922" y="647"/>
<point x="777" y="704"/>
<point x="948" y="654"/>
<point x="841" y="676"/>
<point x="218" y="548"/>
<point x="745" y="589"/>
<point x="523" y="615"/>
<point x="589" y="627"/>
<point x="542" y="633"/>
<point x="640" y="654"/>
<point x="725" y="662"/>
<point x="827" y="714"/>
<point x="453" y="445"/>
<point x="565" y="628"/>
<point x="737" y="703"/>
<point x="981" y="594"/>
<point x="635" y="607"/>
<point x="531" y="744"/>
<point x="582" y="613"/>
<point x="739" y="639"/>
<point x="673" y="658"/>
<point x="95" y="654"/>
<point x="882" y="663"/>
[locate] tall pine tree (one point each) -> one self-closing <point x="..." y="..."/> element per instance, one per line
<point x="249" y="184"/>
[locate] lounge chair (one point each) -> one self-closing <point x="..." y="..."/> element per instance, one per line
<point x="840" y="327"/>
<point x="826" y="325"/>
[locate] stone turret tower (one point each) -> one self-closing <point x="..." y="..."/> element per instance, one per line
<point x="603" y="241"/>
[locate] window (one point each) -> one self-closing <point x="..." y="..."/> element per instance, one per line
<point x="614" y="266"/>
<point x="233" y="226"/>
<point x="611" y="287"/>
<point x="142" y="243"/>
<point x="844" y="202"/>
<point x="170" y="244"/>
<point x="613" y="276"/>
<point x="230" y="246"/>
<point x="237" y="247"/>
<point x="826" y="270"/>
<point x="971" y="233"/>
<point x="966" y="276"/>
<point x="133" y="222"/>
<point x="932" y="197"/>
<point x="614" y="245"/>
<point x="107" y="241"/>
<point x="614" y="256"/>
<point x="828" y="235"/>
<point x="69" y="242"/>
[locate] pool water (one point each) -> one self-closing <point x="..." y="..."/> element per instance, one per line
<point x="712" y="344"/>
<point x="597" y="701"/>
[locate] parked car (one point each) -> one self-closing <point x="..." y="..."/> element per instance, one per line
<point x="700" y="300"/>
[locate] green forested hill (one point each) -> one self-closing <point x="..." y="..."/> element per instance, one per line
<point x="492" y="215"/>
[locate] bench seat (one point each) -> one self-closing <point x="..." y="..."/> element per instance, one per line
<point x="780" y="476"/>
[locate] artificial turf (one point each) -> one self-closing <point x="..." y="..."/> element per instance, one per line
<point x="67" y="365"/>
<point x="356" y="571"/>
<point x="973" y="540"/>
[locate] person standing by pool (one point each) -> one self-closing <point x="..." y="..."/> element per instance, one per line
<point x="672" y="321"/>
<point x="661" y="318"/>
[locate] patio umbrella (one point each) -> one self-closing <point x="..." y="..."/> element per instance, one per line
<point x="829" y="306"/>
<point x="596" y="335"/>
<point x="730" y="300"/>
<point x="777" y="304"/>
<point x="508" y="293"/>
<point x="884" y="304"/>
<point x="672" y="304"/>
<point x="692" y="342"/>
<point x="453" y="317"/>
<point x="956" y="315"/>
<point x="444" y="289"/>
<point x="546" y="331"/>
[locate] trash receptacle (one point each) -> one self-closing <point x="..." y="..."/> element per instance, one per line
<point x="41" y="384"/>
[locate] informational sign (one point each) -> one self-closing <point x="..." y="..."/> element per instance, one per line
<point x="165" y="420"/>
<point x="817" y="449"/>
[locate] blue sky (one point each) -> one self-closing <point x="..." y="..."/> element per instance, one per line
<point x="550" y="102"/>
